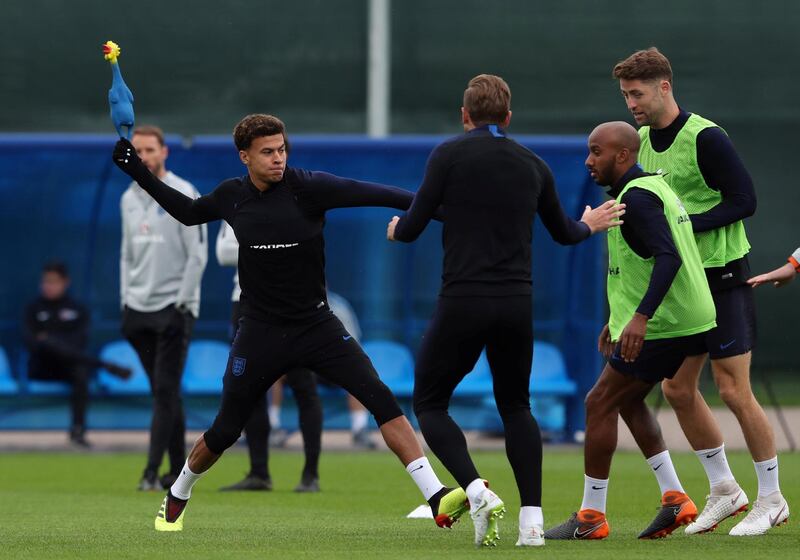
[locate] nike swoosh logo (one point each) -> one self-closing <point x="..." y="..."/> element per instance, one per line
<point x="418" y="468"/>
<point x="658" y="467"/>
<point x="724" y="346"/>
<point x="597" y="487"/>
<point x="347" y="337"/>
<point x="717" y="452"/>
<point x="774" y="520"/>
<point x="772" y="468"/>
<point x="733" y="500"/>
<point x="580" y="534"/>
<point x="483" y="505"/>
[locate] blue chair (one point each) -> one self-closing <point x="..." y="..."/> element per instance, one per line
<point x="205" y="366"/>
<point x="8" y="385"/>
<point x="549" y="387"/>
<point x="121" y="352"/>
<point x="394" y="364"/>
<point x="478" y="382"/>
<point x="549" y="372"/>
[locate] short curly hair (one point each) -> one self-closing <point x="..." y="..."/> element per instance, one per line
<point x="255" y="126"/>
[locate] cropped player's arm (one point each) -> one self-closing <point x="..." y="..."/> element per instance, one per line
<point x="428" y="199"/>
<point x="123" y="262"/>
<point x="780" y="276"/>
<point x="724" y="171"/>
<point x="227" y="247"/>
<point x="188" y="211"/>
<point x="195" y="241"/>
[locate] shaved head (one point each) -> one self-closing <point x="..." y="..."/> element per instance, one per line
<point x="616" y="134"/>
<point x="613" y="149"/>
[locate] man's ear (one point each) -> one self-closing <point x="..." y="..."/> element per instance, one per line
<point x="243" y="157"/>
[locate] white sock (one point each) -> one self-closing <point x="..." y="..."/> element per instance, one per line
<point x="530" y="516"/>
<point x="595" y="491"/>
<point x="665" y="472"/>
<point x="767" y="472"/>
<point x="358" y="420"/>
<point x="715" y="463"/>
<point x="423" y="475"/>
<point x="275" y="416"/>
<point x="474" y="490"/>
<point x="182" y="488"/>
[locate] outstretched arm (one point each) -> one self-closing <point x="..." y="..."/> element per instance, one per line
<point x="188" y="211"/>
<point x="320" y="191"/>
<point x="780" y="276"/>
<point x="563" y="229"/>
<point x="426" y="202"/>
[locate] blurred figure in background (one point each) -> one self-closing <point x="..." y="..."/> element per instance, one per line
<point x="161" y="266"/>
<point x="258" y="430"/>
<point x="56" y="332"/>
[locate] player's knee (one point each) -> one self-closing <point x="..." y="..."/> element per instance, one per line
<point x="735" y="396"/>
<point x="219" y="438"/>
<point x="166" y="395"/>
<point x="678" y="395"/>
<point x="594" y="400"/>
<point x="510" y="411"/>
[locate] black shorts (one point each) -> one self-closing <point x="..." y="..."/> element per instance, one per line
<point x="262" y="353"/>
<point x="659" y="359"/>
<point x="735" y="332"/>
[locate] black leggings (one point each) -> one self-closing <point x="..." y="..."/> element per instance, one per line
<point x="261" y="353"/>
<point x="459" y="330"/>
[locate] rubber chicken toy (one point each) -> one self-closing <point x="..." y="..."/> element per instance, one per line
<point x="120" y="98"/>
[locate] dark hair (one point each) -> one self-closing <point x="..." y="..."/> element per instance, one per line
<point x="645" y="65"/>
<point x="56" y="267"/>
<point x="255" y="126"/>
<point x="487" y="99"/>
<point x="150" y="130"/>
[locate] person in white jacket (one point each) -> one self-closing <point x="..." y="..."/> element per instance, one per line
<point x="161" y="267"/>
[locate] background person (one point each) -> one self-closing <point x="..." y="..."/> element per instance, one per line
<point x="56" y="332"/>
<point x="161" y="267"/>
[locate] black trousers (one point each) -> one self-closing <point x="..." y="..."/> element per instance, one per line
<point x="460" y="329"/>
<point x="54" y="361"/>
<point x="262" y="353"/>
<point x="304" y="385"/>
<point x="161" y="339"/>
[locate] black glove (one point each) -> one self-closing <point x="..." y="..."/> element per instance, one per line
<point x="126" y="159"/>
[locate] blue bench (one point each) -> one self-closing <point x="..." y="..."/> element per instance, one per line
<point x="122" y="353"/>
<point x="8" y="385"/>
<point x="205" y="367"/>
<point x="395" y="365"/>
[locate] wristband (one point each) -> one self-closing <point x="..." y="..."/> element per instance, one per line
<point x="794" y="262"/>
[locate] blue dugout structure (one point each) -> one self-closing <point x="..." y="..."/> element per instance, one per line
<point x="59" y="198"/>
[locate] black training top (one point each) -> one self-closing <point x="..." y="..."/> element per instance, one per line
<point x="281" y="246"/>
<point x="724" y="171"/>
<point x="647" y="232"/>
<point x="490" y="188"/>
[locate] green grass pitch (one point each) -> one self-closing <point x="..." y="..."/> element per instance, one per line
<point x="85" y="506"/>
